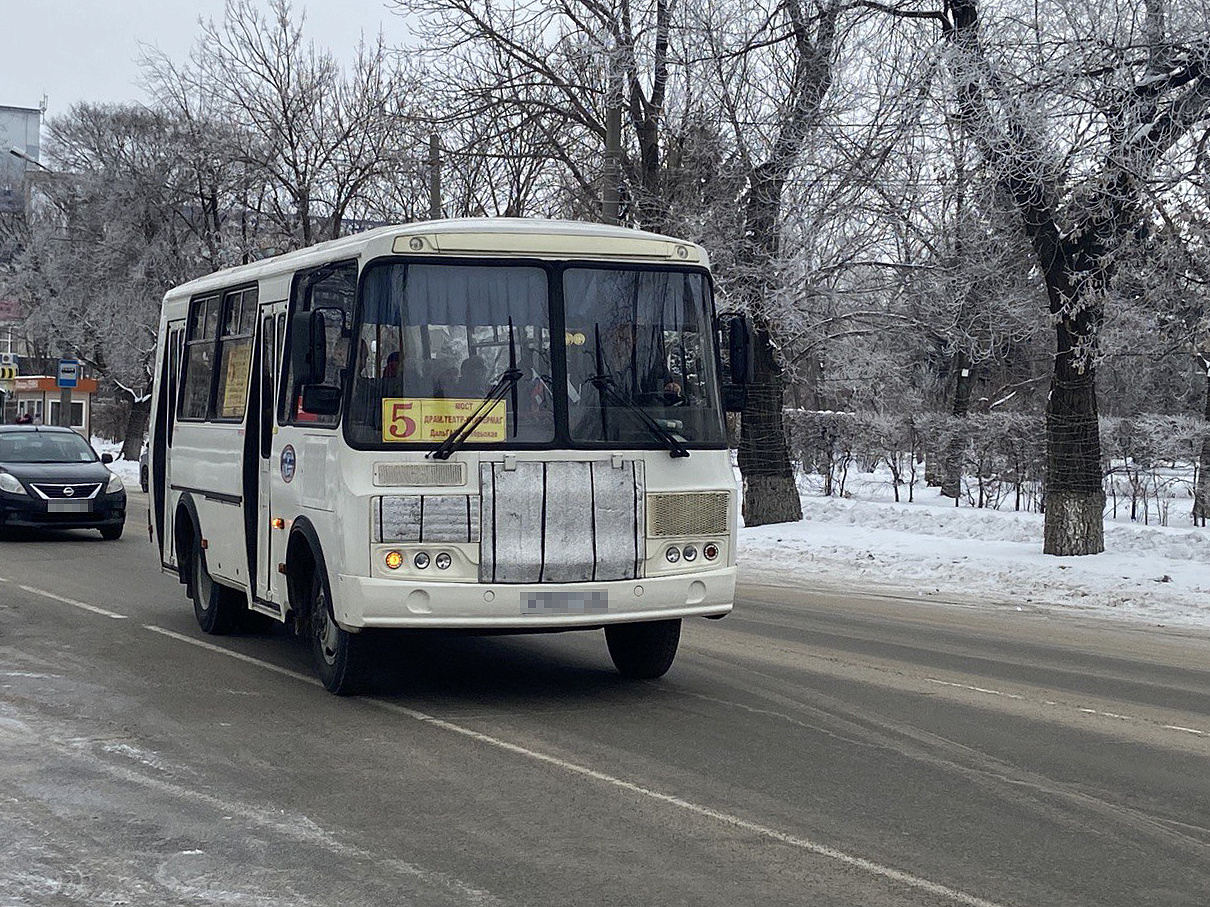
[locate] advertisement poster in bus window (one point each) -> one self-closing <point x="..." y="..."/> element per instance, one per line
<point x="422" y="419"/>
<point x="235" y="381"/>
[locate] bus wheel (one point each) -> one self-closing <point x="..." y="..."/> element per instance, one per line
<point x="340" y="656"/>
<point x="643" y="651"/>
<point x="216" y="607"/>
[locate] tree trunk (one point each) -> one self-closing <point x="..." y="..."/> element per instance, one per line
<point x="951" y="487"/>
<point x="136" y="429"/>
<point x="1074" y="523"/>
<point x="1201" y="492"/>
<point x="770" y="492"/>
<point x="1075" y="495"/>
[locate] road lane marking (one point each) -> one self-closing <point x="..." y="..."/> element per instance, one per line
<point x="805" y="844"/>
<point x="239" y="656"/>
<point x="71" y="601"/>
<point x="1081" y="709"/>
<point x="963" y="686"/>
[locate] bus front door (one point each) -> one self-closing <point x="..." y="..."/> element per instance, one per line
<point x="269" y="585"/>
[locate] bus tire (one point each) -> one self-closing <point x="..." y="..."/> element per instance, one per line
<point x="643" y="651"/>
<point x="216" y="607"/>
<point x="340" y="656"/>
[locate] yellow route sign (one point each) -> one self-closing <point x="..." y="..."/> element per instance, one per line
<point x="419" y="419"/>
<point x="8" y="372"/>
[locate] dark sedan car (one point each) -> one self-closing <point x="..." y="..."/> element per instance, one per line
<point x="51" y="478"/>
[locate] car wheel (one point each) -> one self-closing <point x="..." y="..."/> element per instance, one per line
<point x="341" y="657"/>
<point x="643" y="651"/>
<point x="216" y="607"/>
<point x="112" y="533"/>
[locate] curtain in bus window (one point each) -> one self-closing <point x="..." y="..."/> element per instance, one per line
<point x="434" y="339"/>
<point x="640" y="339"/>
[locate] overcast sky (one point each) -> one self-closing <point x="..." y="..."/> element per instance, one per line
<point x="89" y="51"/>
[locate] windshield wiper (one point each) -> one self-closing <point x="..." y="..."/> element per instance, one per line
<point x="506" y="383"/>
<point x="604" y="385"/>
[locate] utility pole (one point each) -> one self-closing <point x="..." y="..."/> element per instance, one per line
<point x="434" y="176"/>
<point x="613" y="154"/>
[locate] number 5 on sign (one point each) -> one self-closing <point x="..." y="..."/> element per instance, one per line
<point x="399" y="420"/>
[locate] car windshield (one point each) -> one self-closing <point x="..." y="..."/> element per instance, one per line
<point x="44" y="447"/>
<point x="640" y="340"/>
<point x="434" y="340"/>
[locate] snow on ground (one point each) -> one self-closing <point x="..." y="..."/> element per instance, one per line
<point x="935" y="550"/>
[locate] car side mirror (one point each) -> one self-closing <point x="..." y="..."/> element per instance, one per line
<point x="106" y="458"/>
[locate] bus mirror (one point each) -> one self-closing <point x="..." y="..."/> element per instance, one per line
<point x="734" y="398"/>
<point x="321" y="399"/>
<point x="739" y="349"/>
<point x="317" y="348"/>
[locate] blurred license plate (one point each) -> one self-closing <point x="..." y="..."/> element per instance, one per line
<point x="69" y="506"/>
<point x="562" y="602"/>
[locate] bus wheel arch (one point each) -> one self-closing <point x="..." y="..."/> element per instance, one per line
<point x="340" y="656"/>
<point x="185" y="531"/>
<point x="217" y="607"/>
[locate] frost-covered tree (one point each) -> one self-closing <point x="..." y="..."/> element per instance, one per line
<point x="313" y="138"/>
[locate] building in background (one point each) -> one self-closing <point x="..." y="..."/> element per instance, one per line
<point x="20" y="151"/>
<point x="20" y="128"/>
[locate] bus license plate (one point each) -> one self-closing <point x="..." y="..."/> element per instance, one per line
<point x="68" y="506"/>
<point x="563" y="602"/>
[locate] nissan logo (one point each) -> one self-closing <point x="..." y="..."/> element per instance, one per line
<point x="68" y="491"/>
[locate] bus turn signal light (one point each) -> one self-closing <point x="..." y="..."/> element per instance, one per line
<point x="394" y="560"/>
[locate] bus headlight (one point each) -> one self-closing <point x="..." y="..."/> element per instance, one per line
<point x="673" y="554"/>
<point x="421" y="560"/>
<point x="443" y="561"/>
<point x="689" y="553"/>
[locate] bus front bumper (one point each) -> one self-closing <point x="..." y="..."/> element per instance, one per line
<point x="362" y="601"/>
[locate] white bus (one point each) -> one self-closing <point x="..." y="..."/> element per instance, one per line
<point x="489" y="425"/>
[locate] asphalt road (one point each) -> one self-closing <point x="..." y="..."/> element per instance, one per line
<point x="812" y="748"/>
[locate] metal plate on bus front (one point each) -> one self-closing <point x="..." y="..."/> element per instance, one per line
<point x="586" y="601"/>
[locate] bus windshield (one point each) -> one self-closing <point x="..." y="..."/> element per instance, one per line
<point x="640" y="340"/>
<point x="435" y="339"/>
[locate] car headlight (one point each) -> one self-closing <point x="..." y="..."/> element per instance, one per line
<point x="9" y="483"/>
<point x="115" y="484"/>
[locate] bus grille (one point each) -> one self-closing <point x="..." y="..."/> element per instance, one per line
<point x="561" y="522"/>
<point x="688" y="513"/>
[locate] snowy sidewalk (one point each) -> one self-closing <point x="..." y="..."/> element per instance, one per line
<point x="935" y="550"/>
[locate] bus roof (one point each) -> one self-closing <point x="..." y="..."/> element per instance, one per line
<point x="463" y="237"/>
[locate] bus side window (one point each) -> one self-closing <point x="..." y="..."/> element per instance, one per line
<point x="327" y="294"/>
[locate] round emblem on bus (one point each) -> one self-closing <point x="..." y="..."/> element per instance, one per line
<point x="288" y="462"/>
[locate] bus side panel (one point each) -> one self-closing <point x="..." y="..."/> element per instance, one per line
<point x="207" y="461"/>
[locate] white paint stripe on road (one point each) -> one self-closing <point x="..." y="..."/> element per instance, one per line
<point x="822" y="850"/>
<point x="1185" y="730"/>
<point x="963" y="686"/>
<point x="1086" y="711"/>
<point x="71" y="601"/>
<point x="239" y="656"/>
